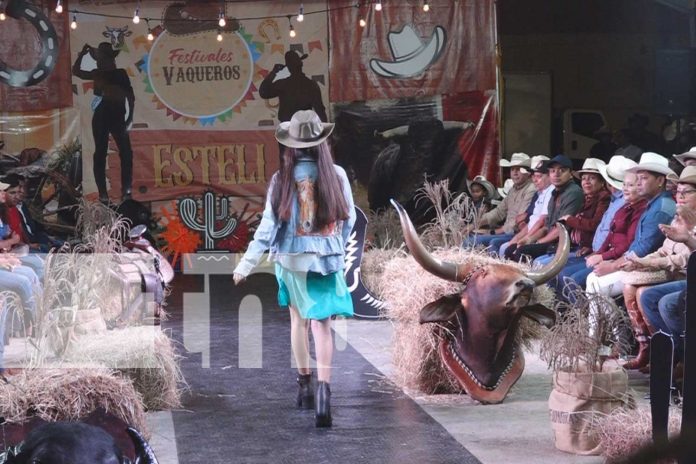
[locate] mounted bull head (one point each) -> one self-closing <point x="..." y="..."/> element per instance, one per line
<point x="75" y="443"/>
<point x="480" y="349"/>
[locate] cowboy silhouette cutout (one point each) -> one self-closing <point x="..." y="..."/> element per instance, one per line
<point x="113" y="105"/>
<point x="296" y="92"/>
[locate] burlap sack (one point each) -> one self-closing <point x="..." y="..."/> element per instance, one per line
<point x="576" y="401"/>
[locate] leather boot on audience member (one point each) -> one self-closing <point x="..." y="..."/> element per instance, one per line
<point x="640" y="330"/>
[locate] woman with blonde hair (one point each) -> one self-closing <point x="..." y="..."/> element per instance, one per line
<point x="306" y="222"/>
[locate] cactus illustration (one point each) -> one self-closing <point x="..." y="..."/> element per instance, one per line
<point x="188" y="209"/>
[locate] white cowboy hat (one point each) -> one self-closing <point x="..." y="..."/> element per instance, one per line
<point x="615" y="171"/>
<point x="590" y="166"/>
<point x="411" y="55"/>
<point x="304" y="130"/>
<point x="691" y="154"/>
<point x="491" y="192"/>
<point x="506" y="188"/>
<point x="688" y="175"/>
<point x="516" y="160"/>
<point x="653" y="162"/>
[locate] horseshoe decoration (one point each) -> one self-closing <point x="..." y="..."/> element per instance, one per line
<point x="20" y="9"/>
<point x="274" y="28"/>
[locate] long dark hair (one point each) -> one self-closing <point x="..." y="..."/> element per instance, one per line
<point x="331" y="204"/>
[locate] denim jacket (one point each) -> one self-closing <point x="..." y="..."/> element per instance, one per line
<point x="297" y="237"/>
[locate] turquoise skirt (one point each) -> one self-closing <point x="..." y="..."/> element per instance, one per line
<point x="314" y="295"/>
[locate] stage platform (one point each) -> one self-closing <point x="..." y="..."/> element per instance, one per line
<point x="241" y="408"/>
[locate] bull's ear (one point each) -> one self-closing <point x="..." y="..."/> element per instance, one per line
<point x="541" y="314"/>
<point x="441" y="310"/>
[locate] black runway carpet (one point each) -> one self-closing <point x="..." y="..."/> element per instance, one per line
<point x="247" y="415"/>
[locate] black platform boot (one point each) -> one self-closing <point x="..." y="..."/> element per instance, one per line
<point x="305" y="397"/>
<point x="322" y="403"/>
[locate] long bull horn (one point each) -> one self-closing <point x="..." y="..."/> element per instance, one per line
<point x="143" y="452"/>
<point x="550" y="271"/>
<point x="437" y="267"/>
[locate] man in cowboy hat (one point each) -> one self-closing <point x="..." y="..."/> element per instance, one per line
<point x="296" y="92"/>
<point x="515" y="202"/>
<point x="566" y="199"/>
<point x="538" y="207"/>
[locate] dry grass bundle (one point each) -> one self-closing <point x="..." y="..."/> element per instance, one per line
<point x="145" y="354"/>
<point x="584" y="335"/>
<point x="406" y="287"/>
<point x="452" y="214"/>
<point x="69" y="394"/>
<point x="372" y="266"/>
<point x="384" y="229"/>
<point x="625" y="431"/>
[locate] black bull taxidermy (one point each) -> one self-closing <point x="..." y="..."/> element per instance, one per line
<point x="480" y="348"/>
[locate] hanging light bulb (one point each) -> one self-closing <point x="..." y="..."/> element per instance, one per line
<point x="73" y="24"/>
<point x="221" y="21"/>
<point x="2" y="11"/>
<point x="150" y="35"/>
<point x="292" y="31"/>
<point x="426" y="7"/>
<point x="300" y="17"/>
<point x="59" y="7"/>
<point x="362" y="22"/>
<point x="219" y="36"/>
<point x="378" y="6"/>
<point x="136" y="15"/>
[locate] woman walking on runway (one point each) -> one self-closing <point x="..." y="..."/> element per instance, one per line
<point x="306" y="222"/>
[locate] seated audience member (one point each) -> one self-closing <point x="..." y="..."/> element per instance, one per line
<point x="482" y="192"/>
<point x="536" y="212"/>
<point x="566" y="199"/>
<point x="13" y="218"/>
<point x="651" y="178"/>
<point x="37" y="238"/>
<point x="661" y="304"/>
<point x="687" y="158"/>
<point x="502" y="219"/>
<point x="616" y="235"/>
<point x="667" y="266"/>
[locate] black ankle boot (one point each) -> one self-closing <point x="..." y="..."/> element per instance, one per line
<point x="305" y="397"/>
<point x="322" y="401"/>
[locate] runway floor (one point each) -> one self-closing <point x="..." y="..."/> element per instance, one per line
<point x="247" y="414"/>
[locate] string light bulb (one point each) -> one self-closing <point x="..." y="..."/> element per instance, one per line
<point x="219" y="36"/>
<point x="378" y="6"/>
<point x="426" y="7"/>
<point x="222" y="22"/>
<point x="73" y="24"/>
<point x="292" y="31"/>
<point x="59" y="7"/>
<point x="2" y="11"/>
<point x="300" y="17"/>
<point x="136" y="15"/>
<point x="150" y="35"/>
<point x="362" y="22"/>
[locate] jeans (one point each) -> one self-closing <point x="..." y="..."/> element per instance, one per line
<point x="662" y="307"/>
<point x="485" y="240"/>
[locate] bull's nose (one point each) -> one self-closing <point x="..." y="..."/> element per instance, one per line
<point x="525" y="284"/>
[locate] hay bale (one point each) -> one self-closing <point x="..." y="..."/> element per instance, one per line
<point x="70" y="395"/>
<point x="144" y="354"/>
<point x="406" y="288"/>
<point x="625" y="431"/>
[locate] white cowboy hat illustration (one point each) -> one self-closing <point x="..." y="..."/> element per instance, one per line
<point x="411" y="55"/>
